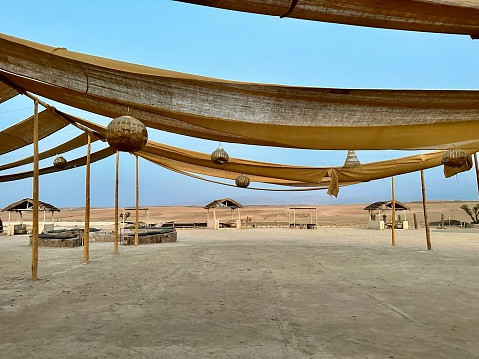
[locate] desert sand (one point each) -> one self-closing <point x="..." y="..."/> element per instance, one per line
<point x="331" y="292"/>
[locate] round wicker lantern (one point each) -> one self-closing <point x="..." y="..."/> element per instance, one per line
<point x="242" y="181"/>
<point x="126" y="133"/>
<point x="60" y="162"/>
<point x="454" y="158"/>
<point x="220" y="156"/>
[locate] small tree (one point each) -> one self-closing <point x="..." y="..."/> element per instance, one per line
<point x="127" y="214"/>
<point x="473" y="213"/>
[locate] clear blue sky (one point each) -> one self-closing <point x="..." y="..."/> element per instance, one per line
<point x="235" y="46"/>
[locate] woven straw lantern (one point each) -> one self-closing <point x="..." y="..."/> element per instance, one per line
<point x="454" y="158"/>
<point x="220" y="156"/>
<point x="60" y="162"/>
<point x="126" y="133"/>
<point x="351" y="160"/>
<point x="242" y="181"/>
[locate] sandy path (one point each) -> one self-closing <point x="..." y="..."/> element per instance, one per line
<point x="265" y="293"/>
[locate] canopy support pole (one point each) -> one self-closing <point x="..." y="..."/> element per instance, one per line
<point x="393" y="220"/>
<point x="117" y="162"/>
<point x="136" y="205"/>
<point x="35" y="195"/>
<point x="86" y="232"/>
<point x="477" y="172"/>
<point x="426" y="222"/>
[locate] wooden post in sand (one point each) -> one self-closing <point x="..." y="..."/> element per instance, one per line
<point x="393" y="206"/>
<point x="115" y="242"/>
<point x="426" y="222"/>
<point x="477" y="172"/>
<point x="35" y="195"/>
<point x="137" y="201"/>
<point x="86" y="232"/>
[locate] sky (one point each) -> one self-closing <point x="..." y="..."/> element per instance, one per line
<point x="234" y="46"/>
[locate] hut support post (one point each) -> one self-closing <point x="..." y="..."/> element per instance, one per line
<point x="316" y="221"/>
<point x="35" y="195"/>
<point x="86" y="233"/>
<point x="393" y="220"/>
<point x="426" y="222"/>
<point x="117" y="162"/>
<point x="136" y="205"/>
<point x="9" y="217"/>
<point x="44" y="218"/>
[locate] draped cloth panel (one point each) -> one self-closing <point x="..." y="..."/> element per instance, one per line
<point x="259" y="114"/>
<point x="72" y="144"/>
<point x="6" y="92"/>
<point x="440" y="16"/>
<point x="78" y="162"/>
<point x="21" y="134"/>
<point x="179" y="159"/>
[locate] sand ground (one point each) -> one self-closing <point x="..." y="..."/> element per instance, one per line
<point x="250" y="293"/>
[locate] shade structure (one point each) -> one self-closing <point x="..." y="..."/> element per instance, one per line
<point x="20" y="134"/>
<point x="249" y="113"/>
<point x="191" y="162"/>
<point x="442" y="16"/>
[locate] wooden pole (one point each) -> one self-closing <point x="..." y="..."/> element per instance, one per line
<point x="137" y="202"/>
<point x="35" y="195"/>
<point x="415" y="220"/>
<point x="115" y="242"/>
<point x="426" y="222"/>
<point x="393" y="220"/>
<point x="477" y="172"/>
<point x="442" y="221"/>
<point x="86" y="233"/>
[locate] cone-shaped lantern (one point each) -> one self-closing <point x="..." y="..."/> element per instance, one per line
<point x="126" y="133"/>
<point x="242" y="181"/>
<point x="220" y="156"/>
<point x="454" y="158"/>
<point x="351" y="160"/>
<point x="60" y="162"/>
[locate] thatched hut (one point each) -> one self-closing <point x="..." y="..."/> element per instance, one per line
<point x="26" y="205"/>
<point x="378" y="218"/>
<point x="214" y="223"/>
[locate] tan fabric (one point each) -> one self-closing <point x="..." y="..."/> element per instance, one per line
<point x="446" y="16"/>
<point x="182" y="160"/>
<point x="192" y="162"/>
<point x="21" y="134"/>
<point x="6" y="92"/>
<point x="270" y="115"/>
<point x="76" y="142"/>
<point x="94" y="157"/>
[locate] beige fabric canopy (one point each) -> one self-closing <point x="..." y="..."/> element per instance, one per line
<point x="72" y="144"/>
<point x="332" y="177"/>
<point x="6" y="92"/>
<point x="269" y="115"/>
<point x="21" y="134"/>
<point x="192" y="162"/>
<point x="94" y="157"/>
<point x="445" y="16"/>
